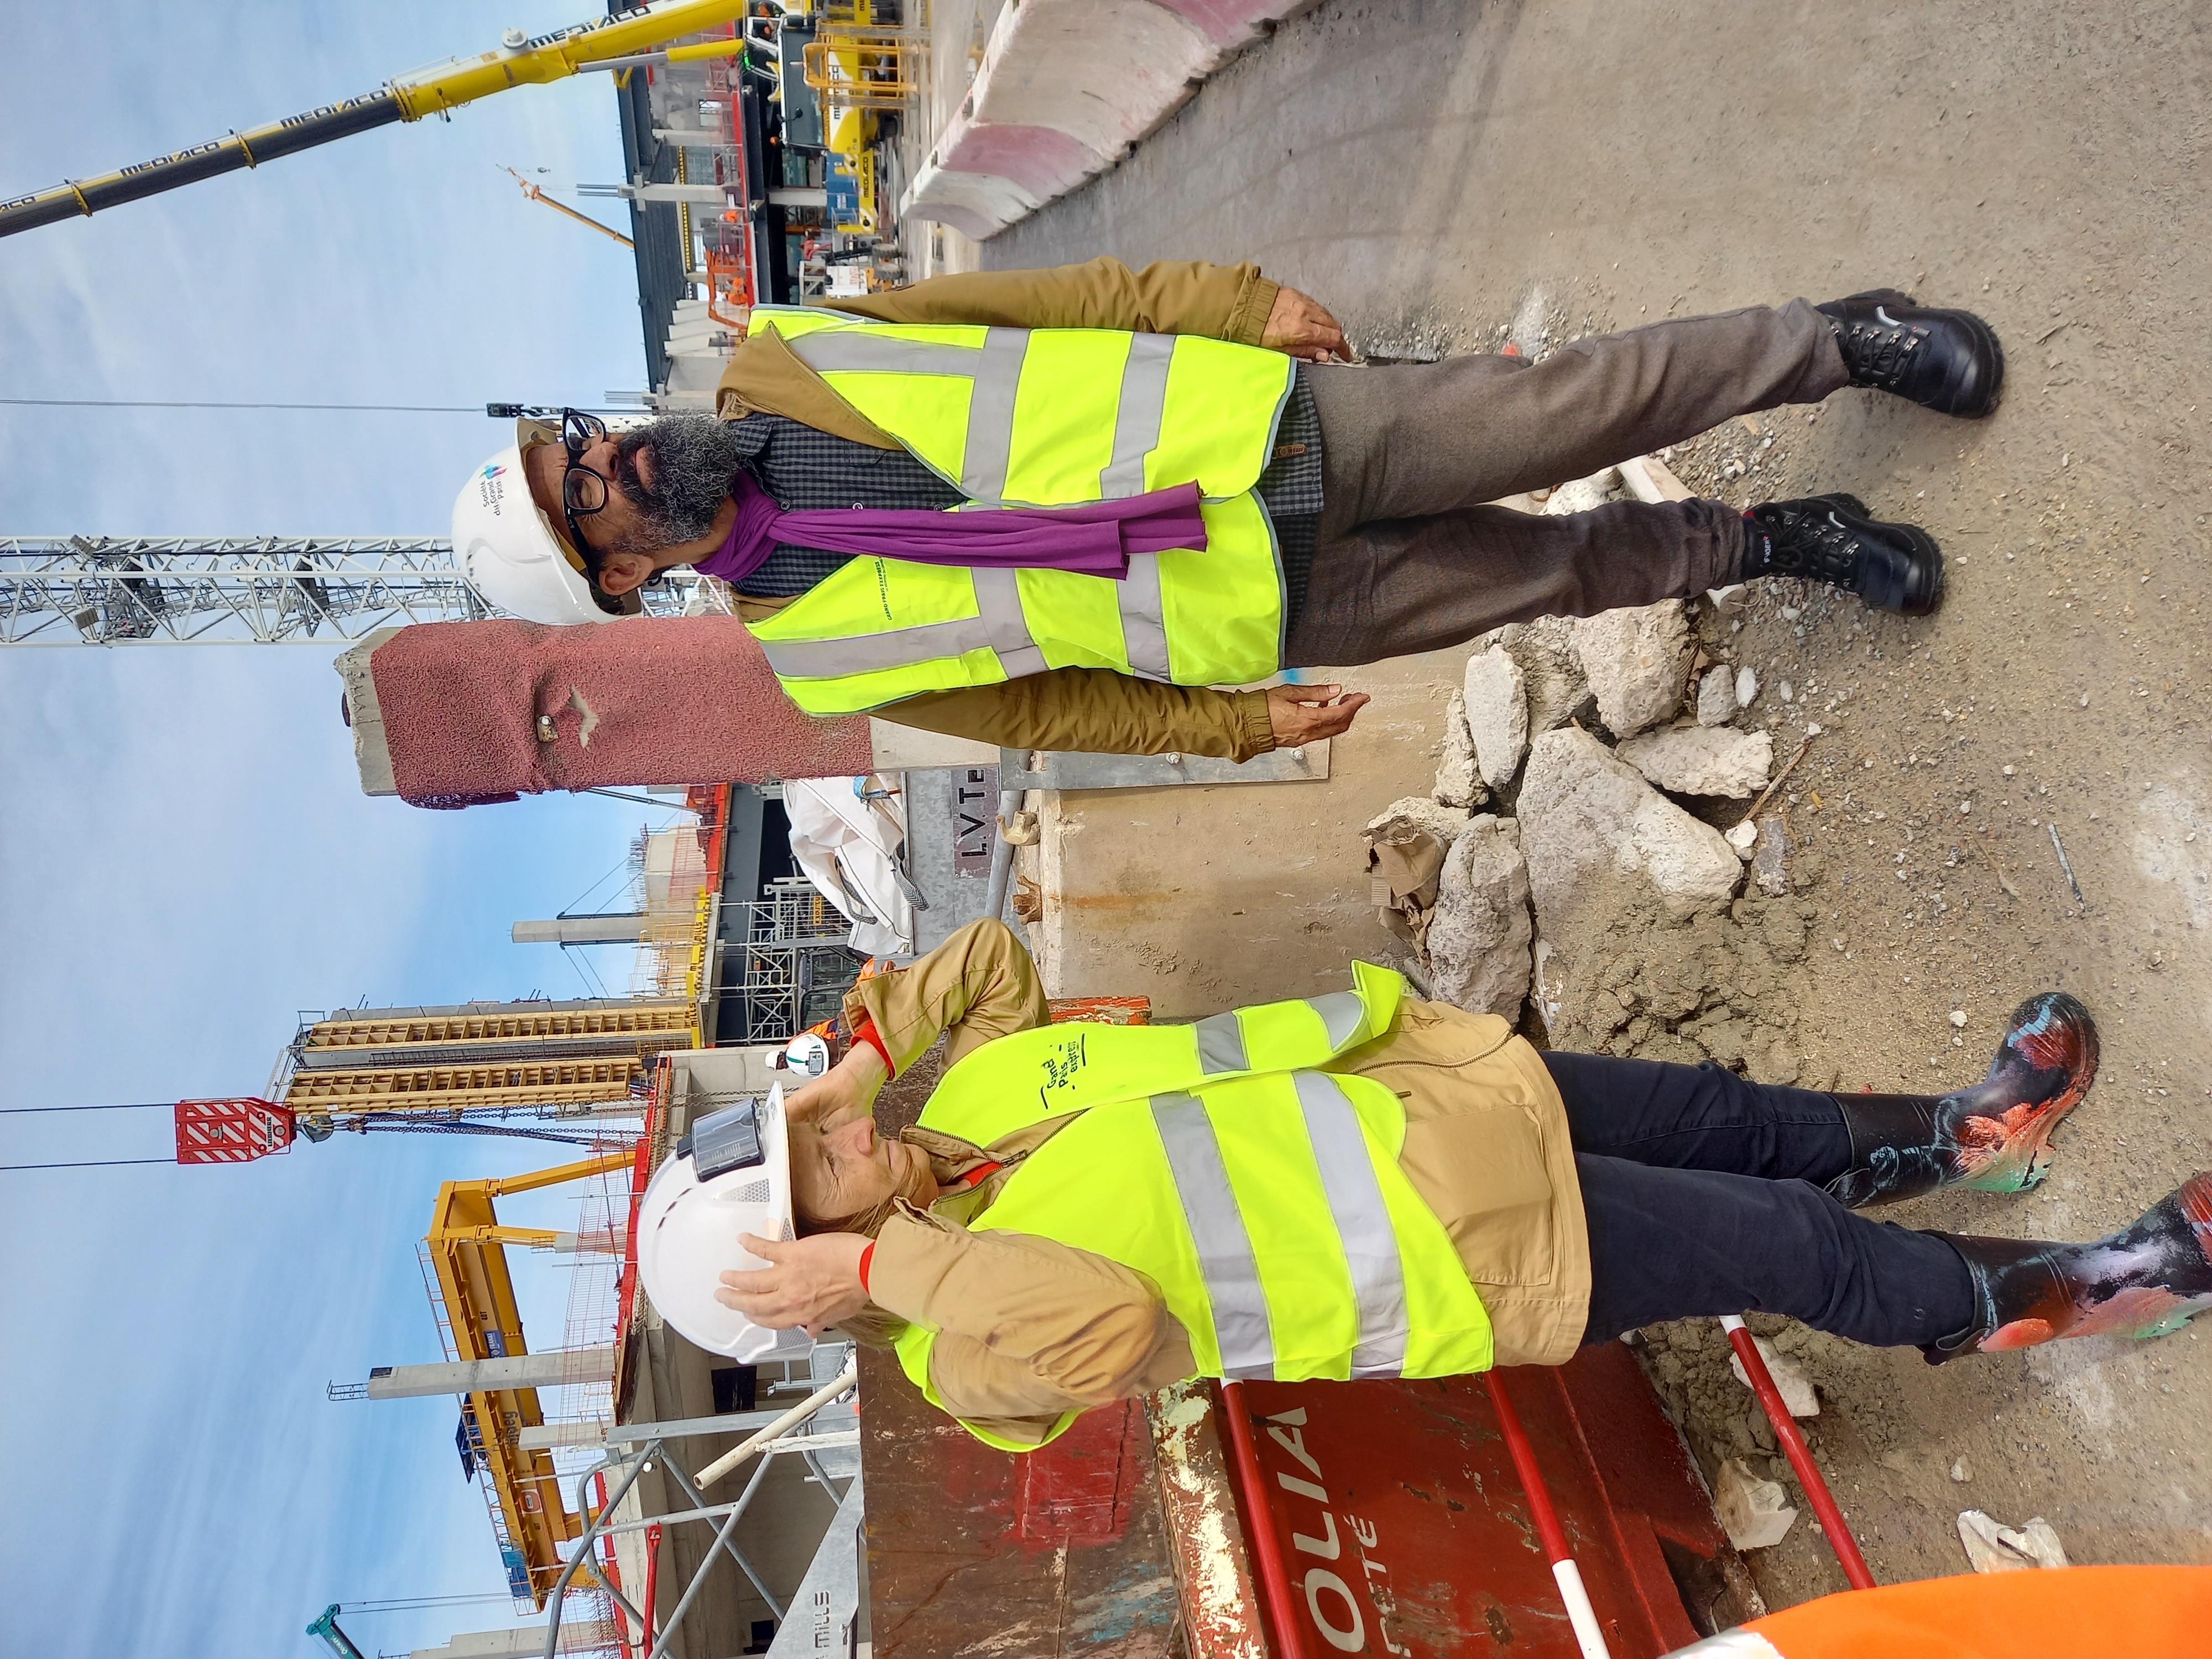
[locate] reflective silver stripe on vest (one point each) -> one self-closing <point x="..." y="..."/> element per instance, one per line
<point x="838" y="351"/>
<point x="1137" y="420"/>
<point x="1363" y="1222"/>
<point x="1225" y="1261"/>
<point x="994" y="369"/>
<point x="991" y="413"/>
<point x="1341" y="1013"/>
<point x="897" y="647"/>
<point x="998" y="597"/>
<point x="1144" y="620"/>
<point x="1220" y="1045"/>
<point x="999" y="626"/>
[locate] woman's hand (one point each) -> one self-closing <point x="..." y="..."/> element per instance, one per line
<point x="1303" y="714"/>
<point x="846" y="1090"/>
<point x="813" y="1281"/>
<point x="1303" y="328"/>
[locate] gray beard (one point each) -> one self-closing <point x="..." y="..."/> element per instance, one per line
<point x="694" y="457"/>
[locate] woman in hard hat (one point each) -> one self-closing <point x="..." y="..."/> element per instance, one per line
<point x="1361" y="1184"/>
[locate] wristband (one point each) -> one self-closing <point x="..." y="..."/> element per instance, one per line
<point x="867" y="1257"/>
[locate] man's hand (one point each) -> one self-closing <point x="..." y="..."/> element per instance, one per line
<point x="1301" y="713"/>
<point x="813" y="1281"/>
<point x="1303" y="328"/>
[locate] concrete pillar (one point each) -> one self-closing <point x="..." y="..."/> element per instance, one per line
<point x="619" y="928"/>
<point x="521" y="1370"/>
<point x="524" y="1642"/>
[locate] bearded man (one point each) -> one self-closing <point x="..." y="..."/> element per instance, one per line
<point x="1058" y="509"/>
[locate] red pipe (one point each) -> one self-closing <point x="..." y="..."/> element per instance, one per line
<point x="652" y="1583"/>
<point x="1832" y="1524"/>
<point x="1267" y="1563"/>
<point x="1549" y="1532"/>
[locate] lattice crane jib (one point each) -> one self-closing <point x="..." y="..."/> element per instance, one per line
<point x="234" y="590"/>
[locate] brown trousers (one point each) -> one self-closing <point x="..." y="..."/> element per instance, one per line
<point x="1410" y="560"/>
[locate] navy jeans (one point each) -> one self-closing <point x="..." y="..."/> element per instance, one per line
<point x="1702" y="1195"/>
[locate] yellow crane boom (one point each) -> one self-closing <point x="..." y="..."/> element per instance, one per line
<point x="433" y="91"/>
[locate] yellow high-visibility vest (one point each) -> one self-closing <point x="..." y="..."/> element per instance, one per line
<point x="1260" y="1194"/>
<point x="1044" y="417"/>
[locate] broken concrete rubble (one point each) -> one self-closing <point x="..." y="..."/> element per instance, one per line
<point x="1414" y="814"/>
<point x="1701" y="760"/>
<point x="1594" y="832"/>
<point x="1637" y="661"/>
<point x="1456" y="783"/>
<point x="1544" y="650"/>
<point x="1716" y="704"/>
<point x="1584" y="495"/>
<point x="1993" y="1547"/>
<point x="1494" y="707"/>
<point x="1479" y="933"/>
<point x="1755" y="1512"/>
<point x="1789" y="1379"/>
<point x="1769" y="859"/>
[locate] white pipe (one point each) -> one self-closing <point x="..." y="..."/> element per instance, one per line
<point x="798" y="1414"/>
<point x="1580" y="1613"/>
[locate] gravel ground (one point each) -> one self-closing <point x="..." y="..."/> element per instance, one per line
<point x="1445" y="175"/>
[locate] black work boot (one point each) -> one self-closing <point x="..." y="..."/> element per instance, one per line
<point x="1947" y="360"/>
<point x="1895" y="567"/>
<point x="1995" y="1135"/>
<point x="2146" y="1280"/>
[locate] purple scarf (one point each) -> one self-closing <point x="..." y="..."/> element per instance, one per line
<point x="1095" y="538"/>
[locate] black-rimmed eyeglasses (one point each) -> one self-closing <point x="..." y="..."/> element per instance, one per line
<point x="583" y="492"/>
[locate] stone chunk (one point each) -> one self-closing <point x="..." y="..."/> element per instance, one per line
<point x="1584" y="495"/>
<point x="1716" y="696"/>
<point x="1699" y="760"/>
<point x="1495" y="704"/>
<point x="1789" y="1379"/>
<point x="1746" y="686"/>
<point x="1415" y="815"/>
<point x="1589" y="823"/>
<point x="1545" y="651"/>
<point x="1637" y="660"/>
<point x="1456" y="783"/>
<point x="1993" y="1547"/>
<point x="1754" y="1512"/>
<point x="1480" y="932"/>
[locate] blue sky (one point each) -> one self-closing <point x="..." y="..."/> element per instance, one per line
<point x="185" y="857"/>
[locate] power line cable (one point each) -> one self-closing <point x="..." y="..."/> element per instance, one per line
<point x="88" y="1164"/>
<point x="133" y="1106"/>
<point x="477" y="409"/>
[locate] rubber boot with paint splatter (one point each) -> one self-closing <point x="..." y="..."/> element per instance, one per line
<point x="2147" y="1281"/>
<point x="1995" y="1136"/>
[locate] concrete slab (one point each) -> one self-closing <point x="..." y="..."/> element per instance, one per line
<point x="1206" y="897"/>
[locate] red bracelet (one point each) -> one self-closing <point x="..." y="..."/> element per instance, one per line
<point x="867" y="1257"/>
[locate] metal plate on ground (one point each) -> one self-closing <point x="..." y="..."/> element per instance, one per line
<point x="1046" y="769"/>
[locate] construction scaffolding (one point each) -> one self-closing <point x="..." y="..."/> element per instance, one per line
<point x="793" y="967"/>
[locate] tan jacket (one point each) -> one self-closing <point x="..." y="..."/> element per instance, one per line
<point x="1091" y="710"/>
<point x="1029" y="1328"/>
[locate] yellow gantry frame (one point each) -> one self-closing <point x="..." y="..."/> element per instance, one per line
<point x="466" y="1248"/>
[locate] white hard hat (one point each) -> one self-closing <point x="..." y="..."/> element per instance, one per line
<point x="510" y="552"/>
<point x="730" y="1175"/>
